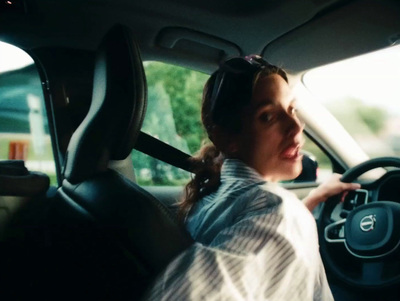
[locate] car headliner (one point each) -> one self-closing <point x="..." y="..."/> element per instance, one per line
<point x="199" y="34"/>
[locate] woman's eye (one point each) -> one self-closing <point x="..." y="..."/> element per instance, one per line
<point x="265" y="117"/>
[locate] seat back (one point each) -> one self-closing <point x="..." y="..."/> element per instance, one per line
<point x="121" y="234"/>
<point x="118" y="106"/>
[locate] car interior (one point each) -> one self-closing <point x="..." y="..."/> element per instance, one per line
<point x="101" y="222"/>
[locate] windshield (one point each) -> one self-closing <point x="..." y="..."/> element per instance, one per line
<point x="363" y="94"/>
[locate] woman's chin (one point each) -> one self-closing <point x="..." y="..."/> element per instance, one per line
<point x="292" y="173"/>
<point x="285" y="171"/>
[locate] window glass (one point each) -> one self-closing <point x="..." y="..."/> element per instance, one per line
<point x="153" y="172"/>
<point x="363" y="94"/>
<point x="174" y="104"/>
<point x="173" y="116"/>
<point x="24" y="132"/>
<point x="315" y="158"/>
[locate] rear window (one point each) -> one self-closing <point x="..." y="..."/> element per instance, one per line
<point x="173" y="116"/>
<point x="24" y="131"/>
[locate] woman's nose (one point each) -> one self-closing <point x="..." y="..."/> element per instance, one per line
<point x="292" y="125"/>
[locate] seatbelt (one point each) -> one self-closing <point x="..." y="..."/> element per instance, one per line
<point x="162" y="151"/>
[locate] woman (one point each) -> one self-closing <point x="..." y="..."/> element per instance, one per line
<point x="255" y="240"/>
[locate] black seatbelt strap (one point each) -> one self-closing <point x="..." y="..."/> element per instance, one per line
<point x="162" y="151"/>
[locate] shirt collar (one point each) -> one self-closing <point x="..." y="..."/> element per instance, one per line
<point x="234" y="169"/>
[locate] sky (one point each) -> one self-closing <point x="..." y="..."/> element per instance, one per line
<point x="373" y="78"/>
<point x="12" y="58"/>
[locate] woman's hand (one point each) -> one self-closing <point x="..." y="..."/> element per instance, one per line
<point x="330" y="187"/>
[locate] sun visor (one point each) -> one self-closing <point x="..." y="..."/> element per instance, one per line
<point x="357" y="27"/>
<point x="197" y="49"/>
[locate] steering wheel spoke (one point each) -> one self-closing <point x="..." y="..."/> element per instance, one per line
<point x="334" y="233"/>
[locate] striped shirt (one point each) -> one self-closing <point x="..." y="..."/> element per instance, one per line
<point x="254" y="241"/>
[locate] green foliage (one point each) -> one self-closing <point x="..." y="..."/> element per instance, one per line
<point x="361" y="120"/>
<point x="184" y="88"/>
<point x="357" y="117"/>
<point x="173" y="116"/>
<point x="374" y="117"/>
<point x="321" y="158"/>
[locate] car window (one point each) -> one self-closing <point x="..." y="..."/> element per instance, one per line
<point x="321" y="161"/>
<point x="174" y="102"/>
<point x="363" y="94"/>
<point x="173" y="116"/>
<point x="24" y="131"/>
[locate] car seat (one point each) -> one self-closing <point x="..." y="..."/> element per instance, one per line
<point x="110" y="237"/>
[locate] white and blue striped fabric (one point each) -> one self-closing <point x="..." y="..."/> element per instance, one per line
<point x="254" y="241"/>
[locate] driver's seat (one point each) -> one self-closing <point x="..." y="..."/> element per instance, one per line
<point x="112" y="235"/>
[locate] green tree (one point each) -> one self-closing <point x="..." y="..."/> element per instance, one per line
<point x="184" y="87"/>
<point x="357" y="117"/>
<point x="159" y="123"/>
<point x="173" y="116"/>
<point x="374" y="117"/>
<point x="320" y="156"/>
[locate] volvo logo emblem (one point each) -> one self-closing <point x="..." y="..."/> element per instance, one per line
<point x="368" y="223"/>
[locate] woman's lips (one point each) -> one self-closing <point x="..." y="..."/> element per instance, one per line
<point x="292" y="152"/>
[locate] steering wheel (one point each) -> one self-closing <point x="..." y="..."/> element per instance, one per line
<point x="360" y="249"/>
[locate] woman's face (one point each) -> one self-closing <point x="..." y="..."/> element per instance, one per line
<point x="271" y="136"/>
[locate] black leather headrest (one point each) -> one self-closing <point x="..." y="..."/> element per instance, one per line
<point x="112" y="125"/>
<point x="17" y="180"/>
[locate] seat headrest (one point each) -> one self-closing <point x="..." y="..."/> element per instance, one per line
<point x="112" y="125"/>
<point x="17" y="180"/>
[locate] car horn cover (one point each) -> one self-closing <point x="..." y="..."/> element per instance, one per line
<point x="372" y="230"/>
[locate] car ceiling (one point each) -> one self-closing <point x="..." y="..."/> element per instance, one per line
<point x="199" y="34"/>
